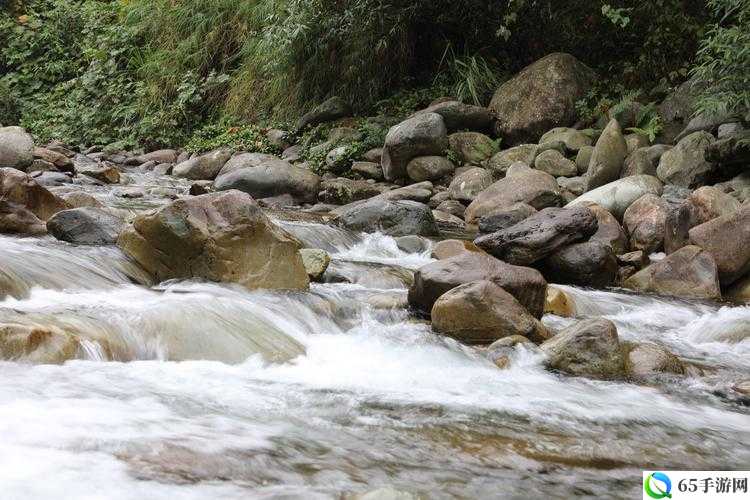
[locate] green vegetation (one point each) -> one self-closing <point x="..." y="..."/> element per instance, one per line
<point x="154" y="73"/>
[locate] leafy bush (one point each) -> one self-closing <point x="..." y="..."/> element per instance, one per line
<point x="248" y="138"/>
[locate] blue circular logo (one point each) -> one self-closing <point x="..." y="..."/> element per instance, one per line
<point x="658" y="485"/>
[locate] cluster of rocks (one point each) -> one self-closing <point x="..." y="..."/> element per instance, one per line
<point x="564" y="202"/>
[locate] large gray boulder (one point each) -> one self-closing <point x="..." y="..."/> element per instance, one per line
<point x="469" y="183"/>
<point x="688" y="273"/>
<point x="555" y="164"/>
<point x="521" y="184"/>
<point x="573" y="139"/>
<point x="502" y="161"/>
<point x="644" y="161"/>
<point x="472" y="148"/>
<point x="204" y="167"/>
<point x="505" y="217"/>
<point x="85" y="226"/>
<point x="459" y="116"/>
<point x="542" y="96"/>
<point x="429" y="168"/>
<point x="617" y="196"/>
<point x="272" y="179"/>
<point x="223" y="237"/>
<point x="395" y="218"/>
<point x="16" y="148"/>
<point x="727" y="239"/>
<point x="480" y="312"/>
<point x="608" y="157"/>
<point x="245" y="160"/>
<point x="540" y="235"/>
<point x="685" y="165"/>
<point x="433" y="280"/>
<point x="590" y="348"/>
<point x="421" y="135"/>
<point x="590" y="263"/>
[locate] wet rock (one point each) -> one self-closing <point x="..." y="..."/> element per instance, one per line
<point x="50" y="179"/>
<point x="429" y="168"/>
<point x="609" y="230"/>
<point x="472" y="148"/>
<point x="79" y="199"/>
<point x="688" y="273"/>
<point x="617" y="196"/>
<point x="16" y="148"/>
<point x="246" y="160"/>
<point x="386" y="493"/>
<point x="542" y="96"/>
<point x="342" y="191"/>
<point x="160" y="156"/>
<point x="501" y="162"/>
<point x="450" y="248"/>
<point x="539" y="235"/>
<point x="452" y="207"/>
<point x="330" y="110"/>
<point x="222" y="237"/>
<point x="36" y="343"/>
<point x="459" y="116"/>
<point x="504" y="218"/>
<point x="726" y="239"/>
<point x="522" y="184"/>
<point x="644" y="360"/>
<point x="555" y="164"/>
<point x="59" y="160"/>
<point x="685" y="165"/>
<point x="590" y="264"/>
<point x="467" y="185"/>
<point x="501" y="351"/>
<point x="573" y="139"/>
<point x="17" y="219"/>
<point x="645" y="221"/>
<point x="315" y="261"/>
<point x="559" y="303"/>
<point x="395" y="218"/>
<point x="20" y="190"/>
<point x="85" y="226"/>
<point x="368" y="170"/>
<point x="739" y="292"/>
<point x="272" y="179"/>
<point x="422" y="135"/>
<point x="420" y="192"/>
<point x="105" y="172"/>
<point x="203" y="167"/>
<point x="608" y="157"/>
<point x="590" y="348"/>
<point x="412" y="244"/>
<point x="481" y="312"/>
<point x="708" y="203"/>
<point x="433" y="280"/>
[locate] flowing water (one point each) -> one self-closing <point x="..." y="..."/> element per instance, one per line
<point x="198" y="390"/>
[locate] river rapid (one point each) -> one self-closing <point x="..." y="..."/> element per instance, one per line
<point x="187" y="390"/>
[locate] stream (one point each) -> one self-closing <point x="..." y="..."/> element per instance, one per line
<point x="188" y="389"/>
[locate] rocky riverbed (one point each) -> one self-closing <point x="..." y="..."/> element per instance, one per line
<point x="440" y="318"/>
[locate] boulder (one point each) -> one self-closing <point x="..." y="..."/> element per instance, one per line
<point x="708" y="203"/>
<point x="687" y="273"/>
<point x="272" y="179"/>
<point x="727" y="239"/>
<point x="481" y="312"/>
<point x="330" y="110"/>
<point x="105" y="171"/>
<point x="222" y="237"/>
<point x="17" y="219"/>
<point x="413" y="244"/>
<point x="525" y="185"/>
<point x="501" y="351"/>
<point x="583" y="159"/>
<point x="468" y="184"/>
<point x="159" y="156"/>
<point x="16" y="148"/>
<point x="559" y="303"/>
<point x="368" y="170"/>
<point x="459" y="116"/>
<point x="685" y="165"/>
<point x="555" y="164"/>
<point x="85" y="226"/>
<point x="421" y="192"/>
<point x="472" y="148"/>
<point x="739" y="292"/>
<point x="609" y="230"/>
<point x="450" y="248"/>
<point x="591" y="264"/>
<point x="617" y="196"/>
<point x="342" y="191"/>
<point x="590" y="348"/>
<point x="573" y="139"/>
<point x="245" y="160"/>
<point x="79" y="199"/>
<point x="429" y="168"/>
<point x="20" y="190"/>
<point x="731" y="153"/>
<point x="501" y="162"/>
<point x="448" y="222"/>
<point x="542" y="96"/>
<point x="59" y="160"/>
<point x="315" y="261"/>
<point x="645" y="221"/>
<point x="645" y="360"/>
<point x="636" y="141"/>
<point x="394" y="218"/>
<point x="504" y="218"/>
<point x="608" y="157"/>
<point x="539" y="235"/>
<point x="433" y="280"/>
<point x="452" y="207"/>
<point x="337" y="160"/>
<point x="203" y="167"/>
<point x="422" y="135"/>
<point x="644" y="161"/>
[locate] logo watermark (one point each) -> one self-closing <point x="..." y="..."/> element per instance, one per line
<point x="695" y="484"/>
